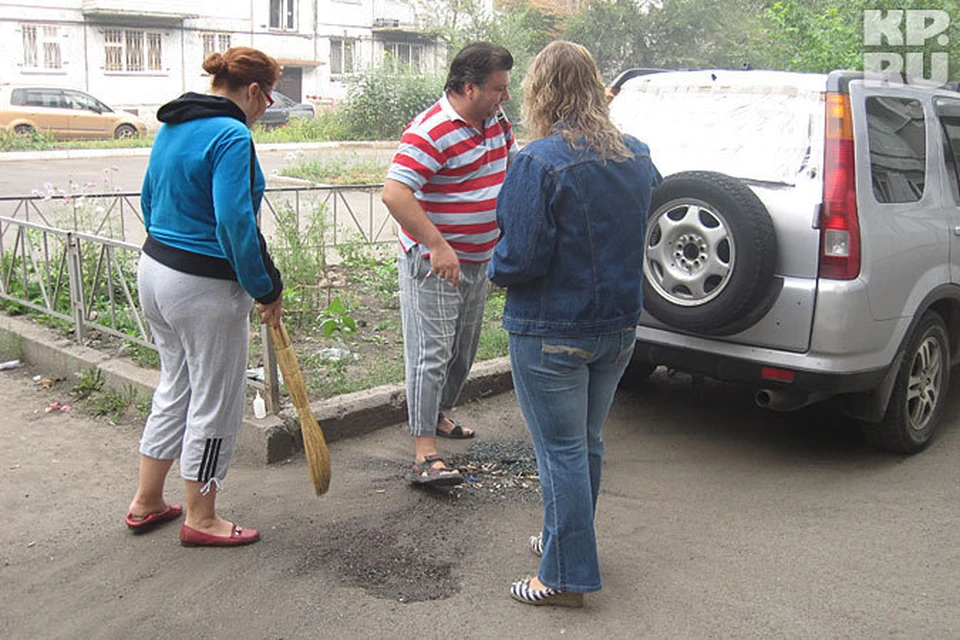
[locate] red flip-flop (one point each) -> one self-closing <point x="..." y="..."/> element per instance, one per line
<point x="150" y="520"/>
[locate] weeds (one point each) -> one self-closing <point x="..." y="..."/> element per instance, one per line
<point x="300" y="255"/>
<point x="377" y="272"/>
<point x="91" y="380"/>
<point x="127" y="403"/>
<point x="337" y="319"/>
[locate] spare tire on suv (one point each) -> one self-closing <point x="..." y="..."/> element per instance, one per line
<point x="710" y="254"/>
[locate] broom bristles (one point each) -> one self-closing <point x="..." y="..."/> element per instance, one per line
<point x="314" y="444"/>
<point x="318" y="456"/>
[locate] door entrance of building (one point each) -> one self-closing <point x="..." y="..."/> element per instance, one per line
<point x="291" y="83"/>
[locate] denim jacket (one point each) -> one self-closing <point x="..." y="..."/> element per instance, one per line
<point x="572" y="233"/>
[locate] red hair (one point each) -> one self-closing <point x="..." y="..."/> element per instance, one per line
<point x="238" y="67"/>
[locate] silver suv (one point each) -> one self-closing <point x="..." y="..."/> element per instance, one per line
<point x="805" y="241"/>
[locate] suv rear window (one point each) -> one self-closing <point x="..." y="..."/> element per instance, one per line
<point x="757" y="129"/>
<point x="898" y="157"/>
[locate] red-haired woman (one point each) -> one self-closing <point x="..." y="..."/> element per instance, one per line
<point x="204" y="263"/>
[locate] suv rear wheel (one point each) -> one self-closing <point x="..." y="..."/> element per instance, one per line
<point x="710" y="253"/>
<point x="919" y="394"/>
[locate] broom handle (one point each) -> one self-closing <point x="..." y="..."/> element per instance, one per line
<point x="279" y="335"/>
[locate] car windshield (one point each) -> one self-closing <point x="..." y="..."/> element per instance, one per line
<point x="283" y="101"/>
<point x="752" y="130"/>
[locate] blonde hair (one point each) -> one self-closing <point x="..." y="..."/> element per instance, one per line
<point x="564" y="94"/>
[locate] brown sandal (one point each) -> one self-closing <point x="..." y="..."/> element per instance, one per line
<point x="425" y="473"/>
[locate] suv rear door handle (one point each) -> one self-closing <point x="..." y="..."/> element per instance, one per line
<point x="956" y="231"/>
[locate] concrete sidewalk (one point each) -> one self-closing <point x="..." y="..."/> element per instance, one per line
<point x="271" y="439"/>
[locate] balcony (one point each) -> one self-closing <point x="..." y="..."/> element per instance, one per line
<point x="147" y="12"/>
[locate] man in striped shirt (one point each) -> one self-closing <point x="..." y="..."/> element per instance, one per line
<point x="442" y="190"/>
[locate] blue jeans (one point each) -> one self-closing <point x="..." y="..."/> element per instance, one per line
<point x="565" y="387"/>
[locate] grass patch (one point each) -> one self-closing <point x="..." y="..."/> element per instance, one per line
<point x="123" y="143"/>
<point x="339" y="171"/>
<point x="36" y="141"/>
<point x="325" y="127"/>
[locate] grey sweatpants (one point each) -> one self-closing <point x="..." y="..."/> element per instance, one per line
<point x="441" y="332"/>
<point x="201" y="329"/>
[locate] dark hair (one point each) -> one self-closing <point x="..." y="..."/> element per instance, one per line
<point x="241" y="66"/>
<point x="474" y="63"/>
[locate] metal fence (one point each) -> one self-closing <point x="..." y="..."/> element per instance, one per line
<point x="86" y="280"/>
<point x="351" y="212"/>
<point x="74" y="256"/>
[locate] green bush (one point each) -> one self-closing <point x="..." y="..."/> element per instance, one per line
<point x="380" y="104"/>
<point x="34" y="141"/>
<point x="327" y="125"/>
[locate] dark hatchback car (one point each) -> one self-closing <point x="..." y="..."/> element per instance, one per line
<point x="283" y="110"/>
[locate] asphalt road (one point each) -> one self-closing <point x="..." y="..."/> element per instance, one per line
<point x="354" y="214"/>
<point x="716" y="520"/>
<point x="107" y="173"/>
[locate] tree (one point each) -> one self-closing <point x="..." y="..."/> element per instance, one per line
<point x="818" y="36"/>
<point x="519" y="26"/>
<point x="696" y="34"/>
<point x="613" y="31"/>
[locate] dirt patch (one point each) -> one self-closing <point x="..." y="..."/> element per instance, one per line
<point x="346" y="330"/>
<point x="348" y="336"/>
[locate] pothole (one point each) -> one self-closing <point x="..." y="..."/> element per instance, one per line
<point x="386" y="561"/>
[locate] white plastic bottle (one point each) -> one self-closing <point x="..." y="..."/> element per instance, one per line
<point x="259" y="407"/>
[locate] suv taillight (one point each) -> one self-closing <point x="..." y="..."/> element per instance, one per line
<point x="839" y="226"/>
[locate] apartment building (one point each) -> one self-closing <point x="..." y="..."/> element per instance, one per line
<point x="137" y="54"/>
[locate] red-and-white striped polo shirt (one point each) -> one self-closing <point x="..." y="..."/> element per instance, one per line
<point x="455" y="172"/>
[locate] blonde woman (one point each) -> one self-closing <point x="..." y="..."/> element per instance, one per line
<point x="572" y="212"/>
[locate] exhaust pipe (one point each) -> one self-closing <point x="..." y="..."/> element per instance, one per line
<point x="783" y="400"/>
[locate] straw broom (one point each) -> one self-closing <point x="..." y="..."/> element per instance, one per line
<point x="318" y="457"/>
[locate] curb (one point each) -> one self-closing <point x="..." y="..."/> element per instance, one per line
<point x="271" y="439"/>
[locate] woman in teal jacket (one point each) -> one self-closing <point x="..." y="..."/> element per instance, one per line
<point x="204" y="263"/>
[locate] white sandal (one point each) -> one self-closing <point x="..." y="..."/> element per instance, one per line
<point x="521" y="591"/>
<point x="536" y="545"/>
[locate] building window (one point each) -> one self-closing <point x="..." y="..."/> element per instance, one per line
<point x="215" y="42"/>
<point x="403" y="57"/>
<point x="154" y="52"/>
<point x="41" y="47"/>
<point x="132" y="50"/>
<point x="283" y="14"/>
<point x="342" y="52"/>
